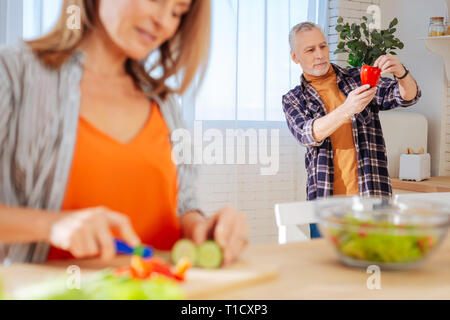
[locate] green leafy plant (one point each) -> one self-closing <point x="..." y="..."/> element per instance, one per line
<point x="363" y="45"/>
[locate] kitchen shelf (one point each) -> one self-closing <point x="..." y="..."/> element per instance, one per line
<point x="446" y="37"/>
<point x="440" y="46"/>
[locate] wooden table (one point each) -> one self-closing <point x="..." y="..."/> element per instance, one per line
<point x="310" y="270"/>
<point x="433" y="184"/>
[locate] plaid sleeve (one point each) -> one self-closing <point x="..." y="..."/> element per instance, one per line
<point x="298" y="122"/>
<point x="388" y="95"/>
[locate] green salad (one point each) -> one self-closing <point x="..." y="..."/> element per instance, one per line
<point x="357" y="240"/>
<point x="2" y="294"/>
<point x="104" y="286"/>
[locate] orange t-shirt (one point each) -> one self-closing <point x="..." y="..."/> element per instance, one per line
<point x="138" y="179"/>
<point x="342" y="142"/>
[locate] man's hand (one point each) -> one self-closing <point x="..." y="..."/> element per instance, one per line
<point x="227" y="227"/>
<point x="357" y="100"/>
<point x="390" y="64"/>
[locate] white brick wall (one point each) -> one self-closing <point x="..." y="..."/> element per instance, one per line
<point x="351" y="11"/>
<point x="447" y="132"/>
<point x="244" y="188"/>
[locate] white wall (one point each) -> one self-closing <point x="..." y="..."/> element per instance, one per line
<point x="10" y="21"/>
<point x="3" y="21"/>
<point x="426" y="67"/>
<point x="243" y="187"/>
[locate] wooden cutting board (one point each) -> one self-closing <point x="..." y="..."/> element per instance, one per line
<point x="204" y="284"/>
<point x="200" y="283"/>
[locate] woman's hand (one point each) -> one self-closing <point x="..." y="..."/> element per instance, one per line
<point x="86" y="233"/>
<point x="227" y="227"/>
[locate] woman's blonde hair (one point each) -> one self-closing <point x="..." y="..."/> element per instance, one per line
<point x="182" y="55"/>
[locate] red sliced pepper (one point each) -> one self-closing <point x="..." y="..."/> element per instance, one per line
<point x="127" y="272"/>
<point x="425" y="243"/>
<point x="146" y="268"/>
<point x="421" y="244"/>
<point x="123" y="271"/>
<point x="362" y="234"/>
<point x="142" y="269"/>
<point x="430" y="241"/>
<point x="180" y="269"/>
<point x="162" y="269"/>
<point x="334" y="239"/>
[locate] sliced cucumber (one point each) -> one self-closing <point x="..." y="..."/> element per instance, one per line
<point x="184" y="248"/>
<point x="209" y="255"/>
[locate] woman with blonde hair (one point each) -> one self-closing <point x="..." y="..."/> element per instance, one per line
<point x="85" y="126"/>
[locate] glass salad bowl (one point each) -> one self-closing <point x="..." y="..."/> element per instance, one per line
<point x="392" y="234"/>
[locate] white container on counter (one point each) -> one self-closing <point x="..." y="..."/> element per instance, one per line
<point x="415" y="166"/>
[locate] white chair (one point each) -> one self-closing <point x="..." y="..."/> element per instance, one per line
<point x="293" y="221"/>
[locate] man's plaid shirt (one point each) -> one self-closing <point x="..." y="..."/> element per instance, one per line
<point x="303" y="105"/>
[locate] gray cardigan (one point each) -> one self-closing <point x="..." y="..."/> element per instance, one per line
<point x="39" y="110"/>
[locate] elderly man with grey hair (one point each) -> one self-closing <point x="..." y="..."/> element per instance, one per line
<point x="336" y="118"/>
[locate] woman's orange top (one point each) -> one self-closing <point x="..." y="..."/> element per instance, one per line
<point x="138" y="179"/>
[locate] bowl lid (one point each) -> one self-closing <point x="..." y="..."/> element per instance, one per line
<point x="394" y="211"/>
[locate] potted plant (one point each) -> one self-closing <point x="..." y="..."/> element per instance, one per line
<point x="363" y="45"/>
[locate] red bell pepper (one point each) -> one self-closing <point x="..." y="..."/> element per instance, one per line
<point x="370" y="75"/>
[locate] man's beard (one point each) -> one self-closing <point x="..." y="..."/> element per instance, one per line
<point x="319" y="73"/>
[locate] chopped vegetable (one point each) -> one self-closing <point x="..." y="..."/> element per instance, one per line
<point x="142" y="270"/>
<point x="125" y="272"/>
<point x="184" y="248"/>
<point x="160" y="267"/>
<point x="180" y="269"/>
<point x="2" y="295"/>
<point x="105" y="286"/>
<point x="144" y="279"/>
<point x="209" y="255"/>
<point x="146" y="268"/>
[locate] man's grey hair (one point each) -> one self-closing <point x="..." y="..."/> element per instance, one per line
<point x="304" y="26"/>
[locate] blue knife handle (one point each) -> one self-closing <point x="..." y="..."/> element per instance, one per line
<point x="122" y="247"/>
